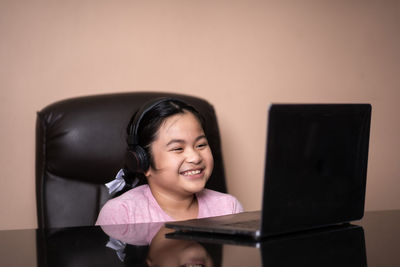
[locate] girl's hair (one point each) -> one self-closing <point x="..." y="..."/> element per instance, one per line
<point x="143" y="129"/>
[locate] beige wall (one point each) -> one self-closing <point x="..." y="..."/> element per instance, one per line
<point x="240" y="55"/>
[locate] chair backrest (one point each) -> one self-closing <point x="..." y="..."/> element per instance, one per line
<point x="80" y="146"/>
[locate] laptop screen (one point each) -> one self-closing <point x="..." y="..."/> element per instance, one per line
<point x="316" y="165"/>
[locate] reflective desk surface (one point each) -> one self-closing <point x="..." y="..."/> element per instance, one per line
<point x="373" y="241"/>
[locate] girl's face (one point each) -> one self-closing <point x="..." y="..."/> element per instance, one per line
<point x="182" y="157"/>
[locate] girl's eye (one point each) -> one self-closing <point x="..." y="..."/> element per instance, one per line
<point x="202" y="145"/>
<point x="177" y="149"/>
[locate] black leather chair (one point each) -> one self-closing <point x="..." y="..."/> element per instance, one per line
<point x="80" y="145"/>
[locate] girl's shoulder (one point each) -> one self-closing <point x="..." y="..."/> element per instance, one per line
<point x="125" y="208"/>
<point x="135" y="193"/>
<point x="214" y="203"/>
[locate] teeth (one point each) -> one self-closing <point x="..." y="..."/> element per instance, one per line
<point x="192" y="172"/>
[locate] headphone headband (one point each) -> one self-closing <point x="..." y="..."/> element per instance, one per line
<point x="134" y="127"/>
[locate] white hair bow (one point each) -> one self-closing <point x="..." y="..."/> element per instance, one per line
<point x="118" y="183"/>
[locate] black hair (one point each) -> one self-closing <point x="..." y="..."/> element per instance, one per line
<point x="147" y="130"/>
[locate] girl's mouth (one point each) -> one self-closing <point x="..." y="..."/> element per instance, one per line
<point x="191" y="172"/>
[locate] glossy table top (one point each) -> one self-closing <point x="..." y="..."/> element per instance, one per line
<point x="373" y="241"/>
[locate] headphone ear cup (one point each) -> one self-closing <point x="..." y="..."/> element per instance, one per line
<point x="137" y="159"/>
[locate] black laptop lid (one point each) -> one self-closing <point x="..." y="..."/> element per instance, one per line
<point x="316" y="165"/>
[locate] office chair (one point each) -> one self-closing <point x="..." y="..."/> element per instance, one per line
<point x="80" y="146"/>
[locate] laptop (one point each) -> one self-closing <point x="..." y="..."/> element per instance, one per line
<point x="315" y="173"/>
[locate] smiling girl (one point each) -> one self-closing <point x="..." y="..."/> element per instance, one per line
<point x="168" y="149"/>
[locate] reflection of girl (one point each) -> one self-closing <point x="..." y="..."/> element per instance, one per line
<point x="167" y="147"/>
<point x="146" y="245"/>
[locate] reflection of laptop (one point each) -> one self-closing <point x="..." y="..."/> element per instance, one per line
<point x="315" y="172"/>
<point x="341" y="245"/>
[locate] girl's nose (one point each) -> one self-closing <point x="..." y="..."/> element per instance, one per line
<point x="193" y="156"/>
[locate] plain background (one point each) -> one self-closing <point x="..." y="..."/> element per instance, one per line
<point x="239" y="55"/>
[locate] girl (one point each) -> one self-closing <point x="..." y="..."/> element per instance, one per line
<point x="167" y="148"/>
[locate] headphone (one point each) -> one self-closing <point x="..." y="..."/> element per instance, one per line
<point x="137" y="159"/>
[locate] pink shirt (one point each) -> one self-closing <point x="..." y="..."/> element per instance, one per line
<point x="139" y="206"/>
